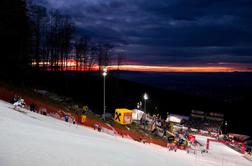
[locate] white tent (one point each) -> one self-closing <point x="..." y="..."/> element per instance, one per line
<point x="137" y="114"/>
<point x="177" y="118"/>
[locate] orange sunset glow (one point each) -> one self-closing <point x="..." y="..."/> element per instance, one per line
<point x="71" y="66"/>
<point x="179" y="68"/>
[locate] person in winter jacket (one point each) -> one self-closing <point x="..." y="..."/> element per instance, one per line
<point x="32" y="107"/>
<point x="19" y="104"/>
<point x="66" y="118"/>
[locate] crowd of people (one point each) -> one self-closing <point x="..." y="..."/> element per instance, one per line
<point x="209" y="126"/>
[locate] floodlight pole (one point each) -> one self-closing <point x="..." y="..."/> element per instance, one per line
<point x="104" y="74"/>
<point x="145" y="99"/>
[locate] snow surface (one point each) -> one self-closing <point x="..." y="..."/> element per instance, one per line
<point x="31" y="139"/>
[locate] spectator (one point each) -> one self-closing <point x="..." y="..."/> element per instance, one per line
<point x="84" y="109"/>
<point x="143" y="118"/>
<point x="15" y="99"/>
<point x="249" y="151"/>
<point x="66" y="118"/>
<point x="74" y="121"/>
<point x="43" y="111"/>
<point x="32" y="107"/>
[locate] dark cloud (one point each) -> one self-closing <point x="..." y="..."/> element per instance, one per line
<point x="167" y="31"/>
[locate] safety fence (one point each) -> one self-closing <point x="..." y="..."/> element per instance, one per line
<point x="59" y="113"/>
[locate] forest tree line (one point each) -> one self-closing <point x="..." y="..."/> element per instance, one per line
<point x="15" y="37"/>
<point x="55" y="42"/>
<point x="34" y="36"/>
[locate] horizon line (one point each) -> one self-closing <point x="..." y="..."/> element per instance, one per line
<point x="181" y="69"/>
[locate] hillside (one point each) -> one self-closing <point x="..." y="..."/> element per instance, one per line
<point x="28" y="138"/>
<point x="86" y="88"/>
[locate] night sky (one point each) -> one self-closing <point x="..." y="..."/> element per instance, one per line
<point x="168" y="32"/>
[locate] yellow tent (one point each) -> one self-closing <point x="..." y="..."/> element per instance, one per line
<point x="123" y="116"/>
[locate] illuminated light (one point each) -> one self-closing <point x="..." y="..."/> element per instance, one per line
<point x="104" y="74"/>
<point x="145" y="96"/>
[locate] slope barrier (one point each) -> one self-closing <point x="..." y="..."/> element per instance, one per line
<point x="59" y="113"/>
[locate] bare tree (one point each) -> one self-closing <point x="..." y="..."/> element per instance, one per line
<point x="104" y="55"/>
<point x="37" y="16"/>
<point x="82" y="47"/>
<point x="67" y="30"/>
<point x="53" y="33"/>
<point x="119" y="60"/>
<point x="59" y="38"/>
<point x="15" y="36"/>
<point x="92" y="56"/>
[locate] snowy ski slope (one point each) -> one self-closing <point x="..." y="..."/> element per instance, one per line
<point x="31" y="139"/>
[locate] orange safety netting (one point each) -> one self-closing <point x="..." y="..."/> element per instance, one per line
<point x="59" y="113"/>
